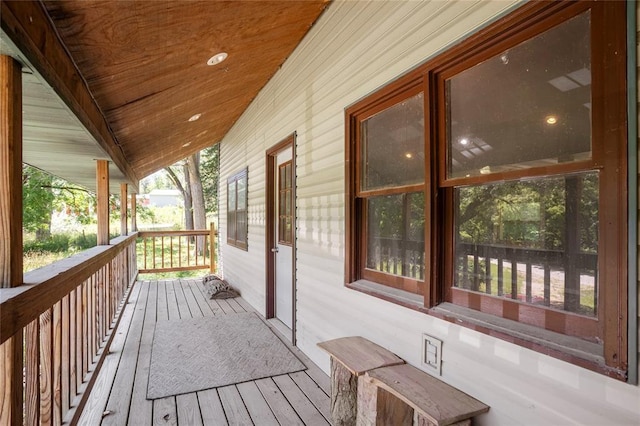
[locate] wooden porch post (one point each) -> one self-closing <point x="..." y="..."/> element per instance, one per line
<point x="123" y="209"/>
<point x="212" y="248"/>
<point x="102" y="190"/>
<point x="11" y="230"/>
<point x="134" y="224"/>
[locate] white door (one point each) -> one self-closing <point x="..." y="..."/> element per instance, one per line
<point x="284" y="237"/>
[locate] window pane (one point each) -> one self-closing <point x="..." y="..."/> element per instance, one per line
<point x="528" y="106"/>
<point x="231" y="196"/>
<point x="242" y="193"/>
<point x="393" y="146"/>
<point x="241" y="223"/>
<point x="231" y="225"/>
<point x="534" y="241"/>
<point x="395" y="234"/>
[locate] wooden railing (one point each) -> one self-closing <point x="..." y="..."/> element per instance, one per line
<point x="55" y="331"/>
<point x="172" y="251"/>
<point x="397" y="257"/>
<point x="515" y="272"/>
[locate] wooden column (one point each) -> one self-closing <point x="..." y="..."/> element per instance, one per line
<point x="134" y="225"/>
<point x="10" y="172"/>
<point x="123" y="209"/>
<point x="11" y="230"/>
<point x="102" y="190"/>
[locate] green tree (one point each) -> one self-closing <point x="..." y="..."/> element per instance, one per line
<point x="38" y="201"/>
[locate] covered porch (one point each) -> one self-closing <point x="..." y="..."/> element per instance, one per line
<point x="83" y="328"/>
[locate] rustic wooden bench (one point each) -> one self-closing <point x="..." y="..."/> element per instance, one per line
<point x="352" y="357"/>
<point x="392" y="395"/>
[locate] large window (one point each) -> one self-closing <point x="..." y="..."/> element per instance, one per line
<point x="237" y="224"/>
<point x="492" y="179"/>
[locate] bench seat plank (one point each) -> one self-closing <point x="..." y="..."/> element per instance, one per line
<point x="359" y="355"/>
<point x="438" y="402"/>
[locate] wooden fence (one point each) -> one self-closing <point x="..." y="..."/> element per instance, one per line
<point x="173" y="251"/>
<point x="56" y="329"/>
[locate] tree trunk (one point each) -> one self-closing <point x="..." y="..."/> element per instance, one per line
<point x="199" y="214"/>
<point x="185" y="190"/>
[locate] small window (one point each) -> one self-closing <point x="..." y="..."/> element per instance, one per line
<point x="285" y="203"/>
<point x="237" y="196"/>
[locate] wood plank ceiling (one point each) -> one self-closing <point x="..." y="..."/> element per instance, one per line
<point x="145" y="63"/>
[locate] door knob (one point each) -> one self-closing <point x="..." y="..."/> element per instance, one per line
<point x="274" y="250"/>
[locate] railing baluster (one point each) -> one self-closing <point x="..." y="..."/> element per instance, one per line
<point x="487" y="275"/>
<point x="500" y="276"/>
<point x="57" y="363"/>
<point x="528" y="280"/>
<point x="46" y="367"/>
<point x="547" y="285"/>
<point x="171" y="251"/>
<point x="85" y="331"/>
<point x="476" y="270"/>
<point x="11" y="379"/>
<point x="32" y="373"/>
<point x="514" y="279"/>
<point x="65" y="358"/>
<point x="73" y="337"/>
<point x="162" y="250"/>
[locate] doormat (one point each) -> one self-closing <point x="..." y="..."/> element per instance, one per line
<point x="202" y="353"/>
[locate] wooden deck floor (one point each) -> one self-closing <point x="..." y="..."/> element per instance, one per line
<point x="119" y="395"/>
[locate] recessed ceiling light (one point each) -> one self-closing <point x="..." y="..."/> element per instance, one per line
<point x="464" y="141"/>
<point x="194" y="117"/>
<point x="551" y="119"/>
<point x="217" y="58"/>
<point x="408" y="155"/>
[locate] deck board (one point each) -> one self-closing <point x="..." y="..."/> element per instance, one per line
<point x="141" y="409"/>
<point x="237" y="414"/>
<point x="120" y="397"/>
<point x="121" y="388"/>
<point x="281" y="408"/>
<point x="256" y="405"/>
<point x="188" y="409"/>
<point x="95" y="407"/>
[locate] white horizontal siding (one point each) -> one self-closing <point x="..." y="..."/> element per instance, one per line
<point x="354" y="49"/>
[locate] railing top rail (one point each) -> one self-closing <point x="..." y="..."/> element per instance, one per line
<point x="188" y="232"/>
<point x="45" y="286"/>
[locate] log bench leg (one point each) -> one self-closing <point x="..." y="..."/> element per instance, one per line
<point x="343" y="395"/>
<point x="378" y="407"/>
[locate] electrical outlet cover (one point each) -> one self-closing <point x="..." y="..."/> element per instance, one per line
<point x="432" y="354"/>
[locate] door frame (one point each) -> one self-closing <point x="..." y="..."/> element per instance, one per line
<point x="270" y="240"/>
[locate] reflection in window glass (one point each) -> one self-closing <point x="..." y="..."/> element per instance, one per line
<point x="395" y="235"/>
<point x="534" y="241"/>
<point x="528" y="106"/>
<point x="393" y="146"/>
<point x="231" y="195"/>
<point x="242" y="193"/>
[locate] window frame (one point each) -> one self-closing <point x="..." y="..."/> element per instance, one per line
<point x="357" y="199"/>
<point x="232" y="214"/>
<point x="609" y="123"/>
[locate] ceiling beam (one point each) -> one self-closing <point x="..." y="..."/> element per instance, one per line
<point x="29" y="27"/>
